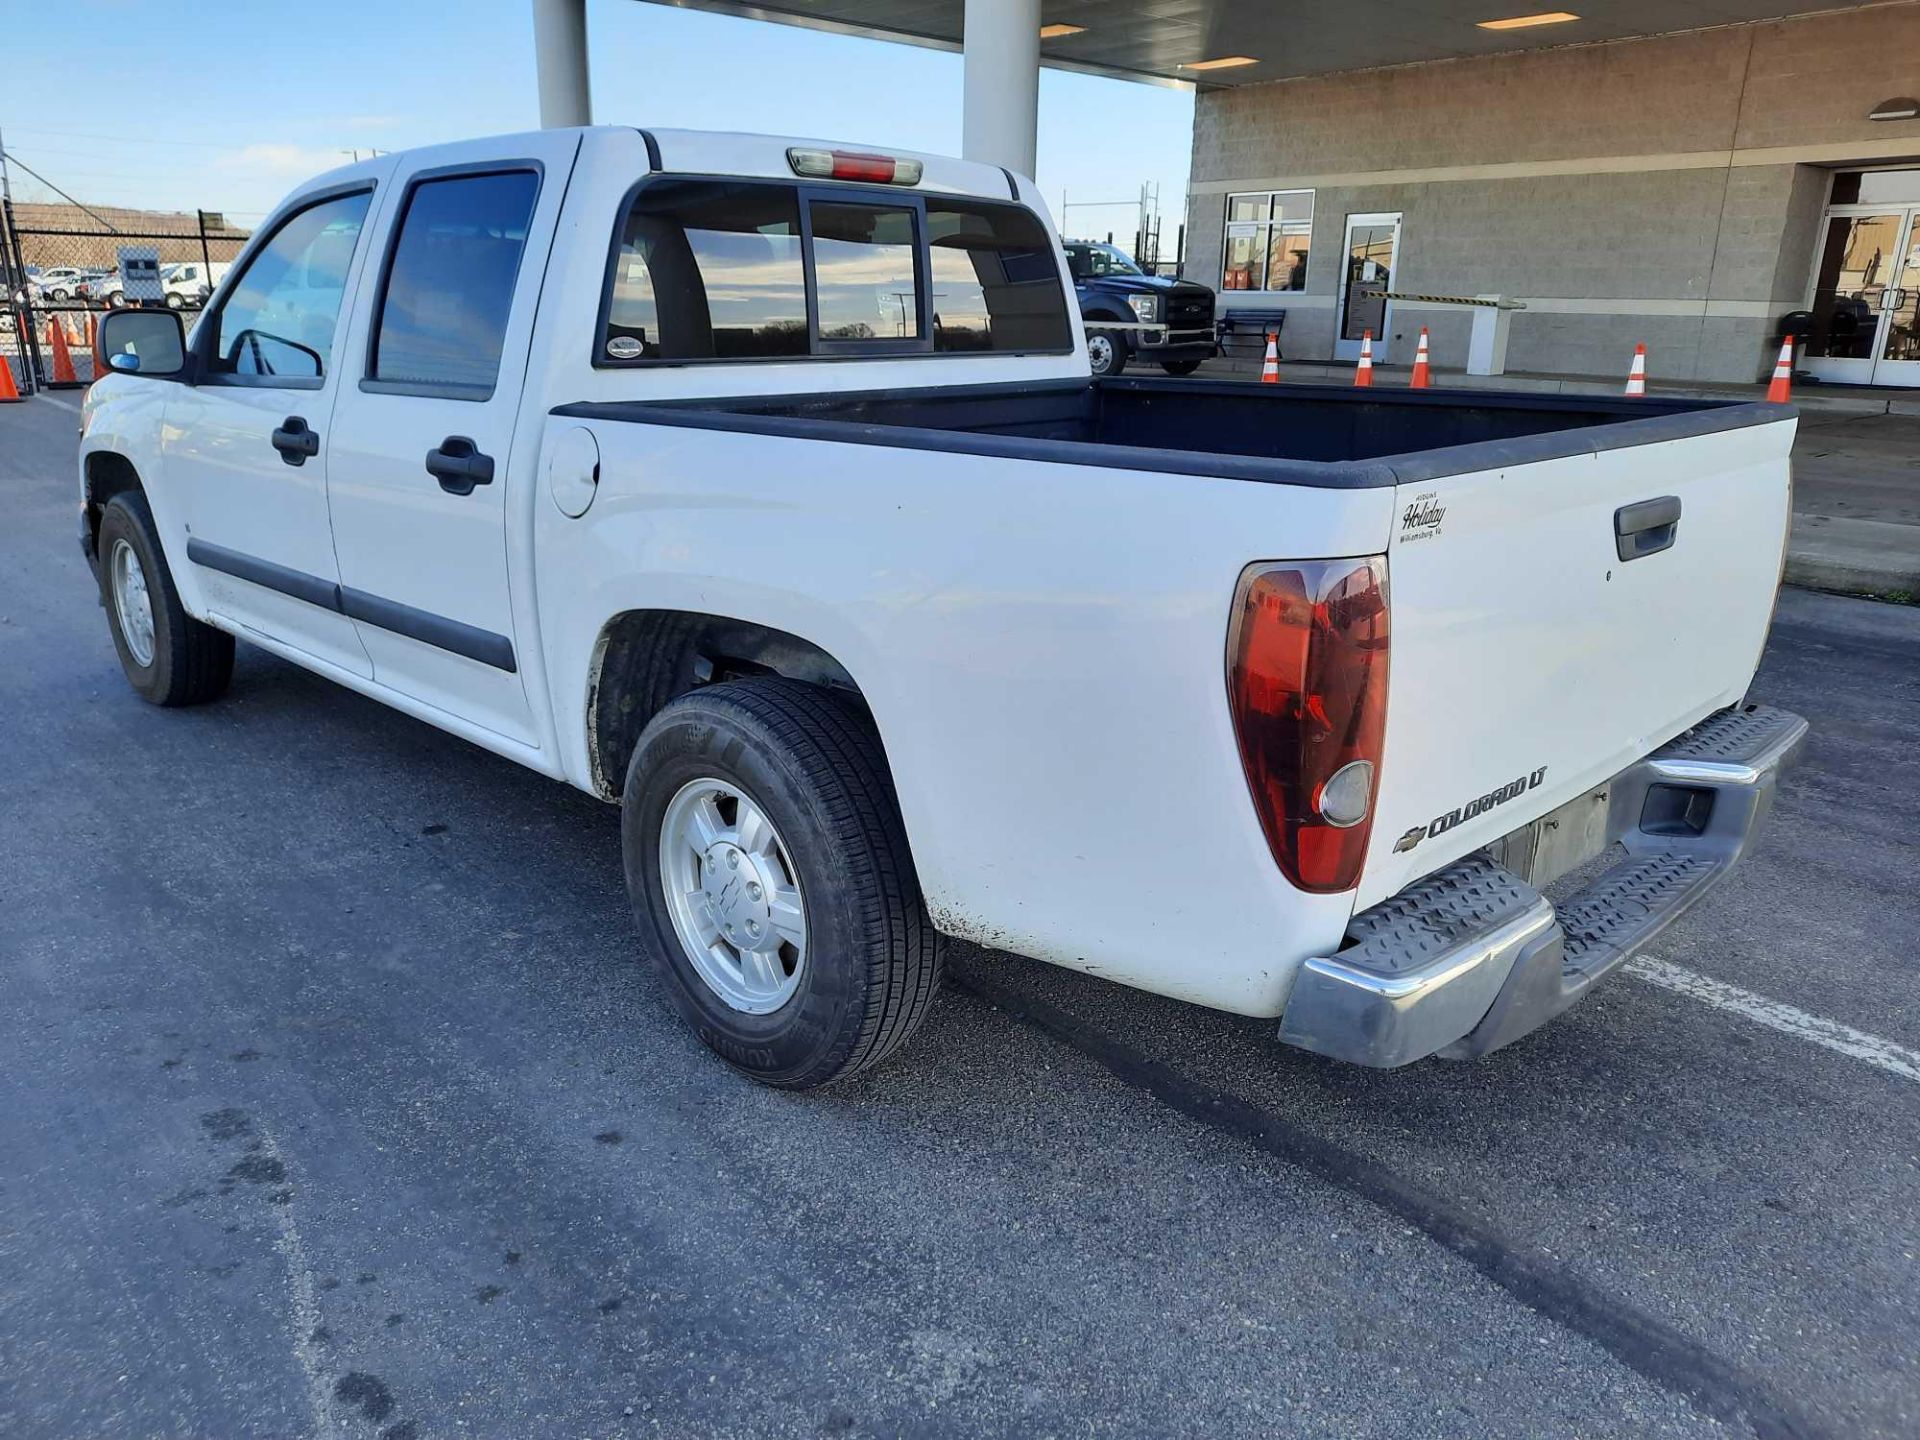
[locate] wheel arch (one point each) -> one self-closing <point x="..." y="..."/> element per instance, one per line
<point x="644" y="659"/>
<point x="106" y="473"/>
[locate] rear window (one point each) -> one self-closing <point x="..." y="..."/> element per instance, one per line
<point x="996" y="285"/>
<point x="865" y="272"/>
<point x="708" y="271"/>
<point x="726" y="270"/>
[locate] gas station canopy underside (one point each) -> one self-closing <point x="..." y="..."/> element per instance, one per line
<point x="1163" y="41"/>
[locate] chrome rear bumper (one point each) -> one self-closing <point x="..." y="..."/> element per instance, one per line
<point x="1471" y="957"/>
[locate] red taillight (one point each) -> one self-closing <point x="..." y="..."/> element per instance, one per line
<point x="1307" y="680"/>
<point x="852" y="165"/>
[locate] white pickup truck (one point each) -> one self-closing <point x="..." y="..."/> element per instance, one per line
<point x="762" y="487"/>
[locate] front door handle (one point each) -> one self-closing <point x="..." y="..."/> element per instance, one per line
<point x="1646" y="528"/>
<point x="295" y="441"/>
<point x="459" y="466"/>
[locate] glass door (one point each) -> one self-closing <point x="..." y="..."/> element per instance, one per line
<point x="1866" y="285"/>
<point x="1372" y="252"/>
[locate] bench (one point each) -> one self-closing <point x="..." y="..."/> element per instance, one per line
<point x="1248" y="327"/>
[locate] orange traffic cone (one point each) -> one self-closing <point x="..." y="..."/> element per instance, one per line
<point x="1270" y="367"/>
<point x="63" y="375"/>
<point x="1637" y="376"/>
<point x="1422" y="372"/>
<point x="1364" y="375"/>
<point x="1780" y="389"/>
<point x="9" y="392"/>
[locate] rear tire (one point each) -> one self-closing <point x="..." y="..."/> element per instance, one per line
<point x="807" y="767"/>
<point x="169" y="657"/>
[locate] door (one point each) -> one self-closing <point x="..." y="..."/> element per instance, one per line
<point x="247" y="447"/>
<point x="421" y="480"/>
<point x="1866" y="286"/>
<point x="1372" y="252"/>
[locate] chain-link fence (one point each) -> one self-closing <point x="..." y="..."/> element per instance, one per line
<point x="60" y="265"/>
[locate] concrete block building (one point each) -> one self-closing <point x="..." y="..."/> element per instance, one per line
<point x="1683" y="191"/>
<point x="1682" y="174"/>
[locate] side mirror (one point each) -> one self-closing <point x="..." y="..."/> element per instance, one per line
<point x="154" y="341"/>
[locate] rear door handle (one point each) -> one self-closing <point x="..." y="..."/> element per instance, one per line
<point x="1646" y="527"/>
<point x="459" y="466"/>
<point x="295" y="441"/>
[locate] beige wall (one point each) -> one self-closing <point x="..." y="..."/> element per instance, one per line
<point x="1665" y="191"/>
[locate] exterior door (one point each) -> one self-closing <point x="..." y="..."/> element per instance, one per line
<point x="247" y="447"/>
<point x="421" y="478"/>
<point x="1866" y="296"/>
<point x="1371" y="256"/>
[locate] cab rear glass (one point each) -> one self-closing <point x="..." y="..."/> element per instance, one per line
<point x="706" y="270"/>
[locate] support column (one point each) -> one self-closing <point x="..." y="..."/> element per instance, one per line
<point x="1001" y="99"/>
<point x="560" y="57"/>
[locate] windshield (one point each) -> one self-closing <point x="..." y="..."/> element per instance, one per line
<point x="1089" y="261"/>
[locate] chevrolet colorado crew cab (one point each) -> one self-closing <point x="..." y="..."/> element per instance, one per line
<point x="761" y="487"/>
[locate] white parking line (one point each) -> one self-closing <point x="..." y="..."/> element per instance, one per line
<point x="1843" y="1039"/>
<point x="59" y="404"/>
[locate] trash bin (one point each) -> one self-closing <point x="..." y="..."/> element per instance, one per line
<point x="1795" y="325"/>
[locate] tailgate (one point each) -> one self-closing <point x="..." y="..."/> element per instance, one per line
<point x="1531" y="662"/>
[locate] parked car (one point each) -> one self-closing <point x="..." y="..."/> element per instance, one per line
<point x="636" y="457"/>
<point x="183" y="286"/>
<point x="188" y="284"/>
<point x="57" y="282"/>
<point x="1113" y="290"/>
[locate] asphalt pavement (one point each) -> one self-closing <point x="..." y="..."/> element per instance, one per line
<point x="338" y="1100"/>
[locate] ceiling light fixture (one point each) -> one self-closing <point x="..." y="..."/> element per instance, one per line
<point x="1904" y="107"/>
<point x="1055" y="32"/>
<point x="1527" y="22"/>
<point x="1225" y="62"/>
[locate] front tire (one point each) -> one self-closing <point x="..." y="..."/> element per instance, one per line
<point x="770" y="875"/>
<point x="1106" y="352"/>
<point x="169" y="657"/>
<point x="1179" y="367"/>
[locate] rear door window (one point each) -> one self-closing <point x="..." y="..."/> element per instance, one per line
<point x="442" y="316"/>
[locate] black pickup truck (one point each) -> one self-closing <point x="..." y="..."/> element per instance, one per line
<point x="1112" y="288"/>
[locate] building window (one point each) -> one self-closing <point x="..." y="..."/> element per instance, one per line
<point x="1267" y="239"/>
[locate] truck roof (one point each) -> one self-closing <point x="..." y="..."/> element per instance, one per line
<point x="725" y="152"/>
<point x="719" y="152"/>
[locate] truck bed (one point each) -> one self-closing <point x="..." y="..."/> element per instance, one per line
<point x="1322" y="436"/>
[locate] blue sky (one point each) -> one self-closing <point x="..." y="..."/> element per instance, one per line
<point x="226" y="106"/>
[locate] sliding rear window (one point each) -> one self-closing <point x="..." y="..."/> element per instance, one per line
<point x="708" y="270"/>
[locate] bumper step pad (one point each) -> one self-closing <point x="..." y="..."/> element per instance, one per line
<point x="1471" y="957"/>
